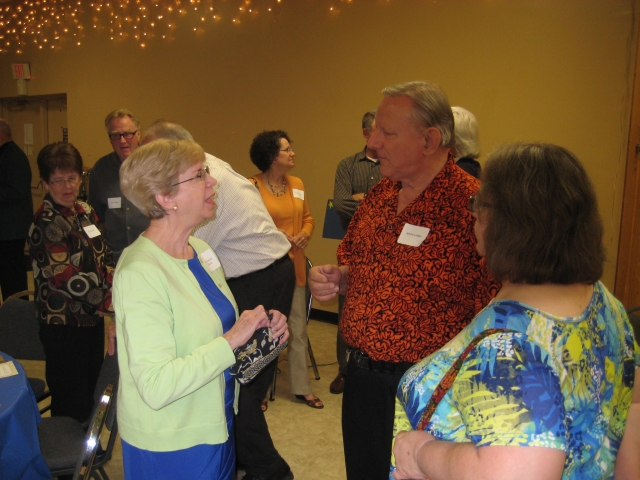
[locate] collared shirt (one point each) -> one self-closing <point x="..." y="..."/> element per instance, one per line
<point x="122" y="222"/>
<point x="355" y="174"/>
<point x="72" y="266"/>
<point x="404" y="302"/>
<point x="242" y="232"/>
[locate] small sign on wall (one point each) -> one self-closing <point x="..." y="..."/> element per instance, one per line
<point x="21" y="71"/>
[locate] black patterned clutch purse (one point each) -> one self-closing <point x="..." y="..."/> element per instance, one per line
<point x="261" y="349"/>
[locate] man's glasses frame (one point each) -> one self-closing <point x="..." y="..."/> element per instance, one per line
<point x="201" y="175"/>
<point x="117" y="136"/>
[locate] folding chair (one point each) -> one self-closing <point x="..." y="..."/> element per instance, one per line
<point x="20" y="337"/>
<point x="65" y="445"/>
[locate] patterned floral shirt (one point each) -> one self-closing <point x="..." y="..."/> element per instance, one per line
<point x="564" y="383"/>
<point x="72" y="266"/>
<point x="404" y="302"/>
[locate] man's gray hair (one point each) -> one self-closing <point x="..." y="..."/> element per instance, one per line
<point x="431" y="107"/>
<point x="466" y="130"/>
<point x="167" y="130"/>
<point x="367" y="120"/>
<point x="121" y="113"/>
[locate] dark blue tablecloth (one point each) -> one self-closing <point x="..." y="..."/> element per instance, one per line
<point x="20" y="457"/>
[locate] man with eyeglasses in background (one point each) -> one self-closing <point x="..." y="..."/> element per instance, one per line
<point x="121" y="222"/>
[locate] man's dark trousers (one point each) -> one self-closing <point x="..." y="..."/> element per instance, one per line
<point x="271" y="287"/>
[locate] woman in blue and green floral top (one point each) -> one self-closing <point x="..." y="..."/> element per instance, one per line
<point x="549" y="394"/>
<point x="72" y="271"/>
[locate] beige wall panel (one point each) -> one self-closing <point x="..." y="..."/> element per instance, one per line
<point x="553" y="71"/>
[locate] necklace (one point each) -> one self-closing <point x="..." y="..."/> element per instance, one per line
<point x="277" y="190"/>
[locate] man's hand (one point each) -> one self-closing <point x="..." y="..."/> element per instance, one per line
<point x="325" y="281"/>
<point x="358" y="196"/>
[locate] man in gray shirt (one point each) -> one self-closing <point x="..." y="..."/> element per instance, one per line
<point x="120" y="220"/>
<point x="355" y="176"/>
<point x="254" y="256"/>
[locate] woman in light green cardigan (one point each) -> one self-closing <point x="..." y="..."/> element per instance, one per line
<point x="177" y="324"/>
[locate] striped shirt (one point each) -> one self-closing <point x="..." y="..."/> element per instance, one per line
<point x="242" y="232"/>
<point x="355" y="174"/>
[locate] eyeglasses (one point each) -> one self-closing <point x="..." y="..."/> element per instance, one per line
<point x="288" y="150"/>
<point x="59" y="182"/>
<point x="200" y="175"/>
<point x="127" y="135"/>
<point x="475" y="204"/>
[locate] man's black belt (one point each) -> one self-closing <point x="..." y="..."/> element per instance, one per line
<point x="363" y="360"/>
<point x="270" y="266"/>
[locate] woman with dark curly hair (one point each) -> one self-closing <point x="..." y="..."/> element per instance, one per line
<point x="286" y="201"/>
<point x="72" y="272"/>
<point x="540" y="384"/>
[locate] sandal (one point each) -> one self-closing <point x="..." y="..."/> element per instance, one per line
<point x="315" y="402"/>
<point x="264" y="404"/>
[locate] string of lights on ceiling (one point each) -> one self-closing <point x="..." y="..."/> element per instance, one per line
<point x="52" y="23"/>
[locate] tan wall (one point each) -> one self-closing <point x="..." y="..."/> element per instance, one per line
<point x="555" y="71"/>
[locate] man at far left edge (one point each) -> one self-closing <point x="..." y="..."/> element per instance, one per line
<point x="16" y="212"/>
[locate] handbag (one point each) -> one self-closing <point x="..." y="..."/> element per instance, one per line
<point x="447" y="381"/>
<point x="261" y="349"/>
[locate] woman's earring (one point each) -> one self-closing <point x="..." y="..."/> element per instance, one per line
<point x="175" y="207"/>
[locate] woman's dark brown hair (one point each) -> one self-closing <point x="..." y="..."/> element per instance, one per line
<point x="62" y="156"/>
<point x="542" y="220"/>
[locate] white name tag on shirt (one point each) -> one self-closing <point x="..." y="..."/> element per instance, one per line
<point x="91" y="231"/>
<point x="413" y="235"/>
<point x="114" y="202"/>
<point x="298" y="193"/>
<point x="210" y="260"/>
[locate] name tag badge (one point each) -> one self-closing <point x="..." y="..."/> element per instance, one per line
<point x="413" y="235"/>
<point x="298" y="193"/>
<point x="209" y="258"/>
<point x="114" y="202"/>
<point x="91" y="230"/>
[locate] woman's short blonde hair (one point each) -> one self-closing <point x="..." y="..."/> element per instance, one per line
<point x="153" y="169"/>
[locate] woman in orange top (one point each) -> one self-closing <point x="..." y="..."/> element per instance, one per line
<point x="286" y="201"/>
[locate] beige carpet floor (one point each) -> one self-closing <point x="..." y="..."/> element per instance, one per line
<point x="310" y="440"/>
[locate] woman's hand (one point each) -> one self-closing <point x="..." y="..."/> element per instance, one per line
<point x="248" y="322"/>
<point x="300" y="240"/>
<point x="406" y="449"/>
<point x="111" y="333"/>
<point x="279" y="326"/>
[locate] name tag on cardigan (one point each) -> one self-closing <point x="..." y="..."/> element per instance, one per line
<point x="413" y="235"/>
<point x="298" y="193"/>
<point x="91" y="231"/>
<point x="210" y="260"/>
<point x="114" y="202"/>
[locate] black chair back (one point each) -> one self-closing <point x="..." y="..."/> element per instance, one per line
<point x="19" y="330"/>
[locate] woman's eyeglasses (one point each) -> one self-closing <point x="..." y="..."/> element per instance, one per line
<point x="475" y="204"/>
<point x="201" y="175"/>
<point x="58" y="182"/>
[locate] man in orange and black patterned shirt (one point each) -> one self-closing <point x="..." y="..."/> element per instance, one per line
<point x="408" y="265"/>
